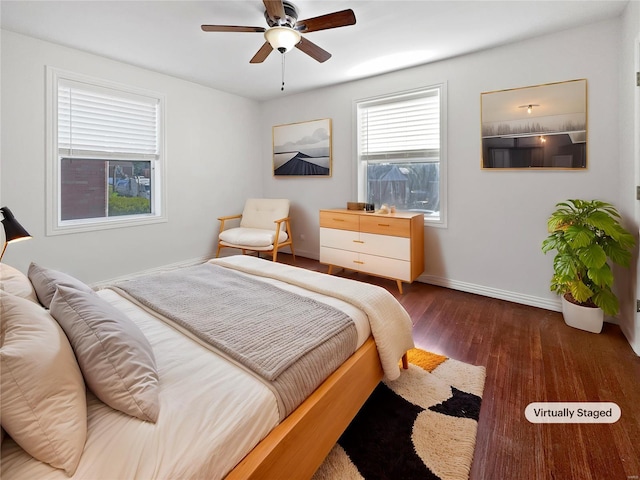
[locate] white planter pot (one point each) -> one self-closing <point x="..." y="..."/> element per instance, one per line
<point x="584" y="318"/>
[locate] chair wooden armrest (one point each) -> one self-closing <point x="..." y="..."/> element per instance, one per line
<point x="278" y="222"/>
<point x="228" y="217"/>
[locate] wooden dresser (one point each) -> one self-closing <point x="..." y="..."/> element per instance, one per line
<point x="390" y="246"/>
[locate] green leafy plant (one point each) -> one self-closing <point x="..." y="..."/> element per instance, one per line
<point x="119" y="205"/>
<point x="587" y="235"/>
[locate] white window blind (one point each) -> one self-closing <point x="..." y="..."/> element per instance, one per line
<point x="105" y="154"/>
<point x="93" y="121"/>
<point x="403" y="128"/>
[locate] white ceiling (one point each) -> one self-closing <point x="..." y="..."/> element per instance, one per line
<point x="165" y="36"/>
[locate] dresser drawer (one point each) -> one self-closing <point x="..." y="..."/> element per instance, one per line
<point x="342" y="239"/>
<point x="385" y="267"/>
<point x="399" y="227"/>
<point x="371" y="264"/>
<point x="342" y="221"/>
<point x="380" y="245"/>
<point x="340" y="258"/>
<point x="385" y="246"/>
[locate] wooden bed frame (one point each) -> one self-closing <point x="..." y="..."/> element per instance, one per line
<point x="297" y="446"/>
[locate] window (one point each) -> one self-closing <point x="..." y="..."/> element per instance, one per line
<point x="105" y="154"/>
<point x="400" y="144"/>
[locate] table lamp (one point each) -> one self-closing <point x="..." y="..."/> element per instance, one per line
<point x="13" y="231"/>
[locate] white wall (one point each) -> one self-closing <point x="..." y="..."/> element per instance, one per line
<point x="629" y="126"/>
<point x="210" y="165"/>
<point x="496" y="219"/>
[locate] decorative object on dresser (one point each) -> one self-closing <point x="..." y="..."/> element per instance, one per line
<point x="13" y="231"/>
<point x="385" y="245"/>
<point x="264" y="227"/>
<point x="367" y="207"/>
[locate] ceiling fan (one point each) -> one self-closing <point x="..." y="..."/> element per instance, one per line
<point x="285" y="29"/>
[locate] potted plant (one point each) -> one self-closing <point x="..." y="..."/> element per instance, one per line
<point x="587" y="237"/>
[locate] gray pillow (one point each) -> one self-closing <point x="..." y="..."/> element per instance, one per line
<point x="115" y="357"/>
<point x="45" y="281"/>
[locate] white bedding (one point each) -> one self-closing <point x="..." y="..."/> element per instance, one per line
<point x="203" y="429"/>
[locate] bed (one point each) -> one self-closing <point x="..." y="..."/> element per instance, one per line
<point x="213" y="417"/>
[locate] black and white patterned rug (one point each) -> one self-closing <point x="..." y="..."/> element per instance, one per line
<point x="421" y="426"/>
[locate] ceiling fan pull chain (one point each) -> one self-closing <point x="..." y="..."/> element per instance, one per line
<point x="282" y="87"/>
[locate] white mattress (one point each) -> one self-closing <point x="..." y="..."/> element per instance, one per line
<point x="203" y="429"/>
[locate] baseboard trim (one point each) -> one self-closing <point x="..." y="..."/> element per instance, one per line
<point x="515" y="297"/>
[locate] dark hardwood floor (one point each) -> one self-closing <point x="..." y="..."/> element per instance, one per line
<point x="530" y="356"/>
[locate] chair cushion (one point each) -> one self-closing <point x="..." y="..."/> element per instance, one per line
<point x="250" y="237"/>
<point x="262" y="212"/>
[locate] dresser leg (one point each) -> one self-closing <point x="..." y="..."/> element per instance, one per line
<point x="330" y="269"/>
<point x="399" y="282"/>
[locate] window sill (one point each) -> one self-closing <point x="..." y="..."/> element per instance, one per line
<point x="82" y="226"/>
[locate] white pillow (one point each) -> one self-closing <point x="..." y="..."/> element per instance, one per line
<point x="46" y="280"/>
<point x="115" y="357"/>
<point x="16" y="283"/>
<point x="44" y="406"/>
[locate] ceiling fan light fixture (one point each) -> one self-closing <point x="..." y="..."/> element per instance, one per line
<point x="282" y="39"/>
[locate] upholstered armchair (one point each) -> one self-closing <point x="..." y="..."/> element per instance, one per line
<point x="264" y="227"/>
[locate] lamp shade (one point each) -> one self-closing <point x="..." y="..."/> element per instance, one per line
<point x="282" y="39"/>
<point x="12" y="229"/>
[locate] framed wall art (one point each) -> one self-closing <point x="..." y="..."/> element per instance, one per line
<point x="302" y="149"/>
<point x="538" y="127"/>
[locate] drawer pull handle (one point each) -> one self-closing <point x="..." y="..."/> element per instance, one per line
<point x="384" y="225"/>
<point x="338" y="219"/>
<point x="358" y="262"/>
<point x="358" y="241"/>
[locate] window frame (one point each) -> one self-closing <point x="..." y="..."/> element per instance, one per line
<point x="54" y="224"/>
<point x="360" y="166"/>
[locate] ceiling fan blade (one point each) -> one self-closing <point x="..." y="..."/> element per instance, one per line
<point x="324" y="22"/>
<point x="262" y="54"/>
<point x="275" y="9"/>
<point x="313" y="50"/>
<point x="231" y="28"/>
